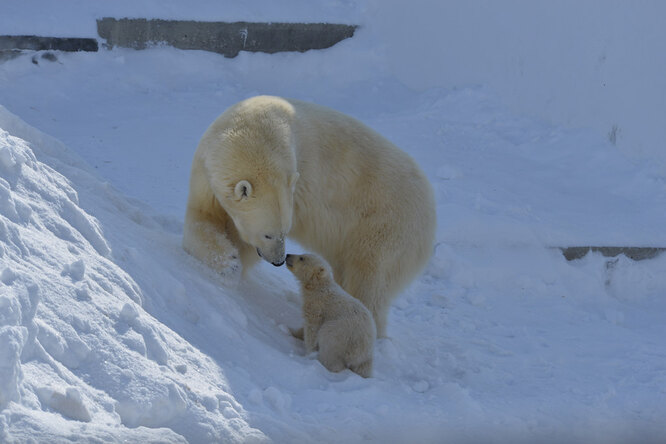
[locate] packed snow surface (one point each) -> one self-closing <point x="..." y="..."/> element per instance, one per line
<point x="109" y="332"/>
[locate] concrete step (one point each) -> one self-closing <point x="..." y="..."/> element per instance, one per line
<point x="14" y="45"/>
<point x="36" y="43"/>
<point x="226" y="38"/>
<point x="635" y="253"/>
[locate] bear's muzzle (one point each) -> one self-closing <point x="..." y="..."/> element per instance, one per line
<point x="276" y="259"/>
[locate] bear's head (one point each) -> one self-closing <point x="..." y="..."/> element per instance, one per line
<point x="254" y="177"/>
<point x="311" y="270"/>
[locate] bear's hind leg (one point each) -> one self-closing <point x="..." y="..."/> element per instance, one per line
<point x="371" y="291"/>
<point x="379" y="307"/>
<point x="365" y="277"/>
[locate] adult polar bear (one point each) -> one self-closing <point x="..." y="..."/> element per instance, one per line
<point x="270" y="167"/>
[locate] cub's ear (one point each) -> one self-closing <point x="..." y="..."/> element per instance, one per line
<point x="292" y="180"/>
<point x="243" y="190"/>
<point x="316" y="276"/>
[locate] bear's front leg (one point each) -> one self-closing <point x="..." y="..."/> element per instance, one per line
<point x="204" y="240"/>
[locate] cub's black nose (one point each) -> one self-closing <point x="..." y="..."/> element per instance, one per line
<point x="289" y="260"/>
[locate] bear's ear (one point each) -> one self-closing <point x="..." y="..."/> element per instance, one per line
<point x="292" y="180"/>
<point x="243" y="190"/>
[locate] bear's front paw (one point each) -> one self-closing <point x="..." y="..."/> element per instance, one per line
<point x="229" y="267"/>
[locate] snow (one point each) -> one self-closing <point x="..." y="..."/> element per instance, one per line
<point x="579" y="64"/>
<point x="110" y="332"/>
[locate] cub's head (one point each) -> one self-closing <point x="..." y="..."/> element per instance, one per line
<point x="253" y="172"/>
<point x="310" y="269"/>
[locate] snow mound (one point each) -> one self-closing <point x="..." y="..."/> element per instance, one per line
<point x="76" y="346"/>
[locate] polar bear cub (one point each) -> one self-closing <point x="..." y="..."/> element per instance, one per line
<point x="336" y="323"/>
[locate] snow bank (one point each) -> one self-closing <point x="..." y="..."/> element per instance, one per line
<point x="75" y="345"/>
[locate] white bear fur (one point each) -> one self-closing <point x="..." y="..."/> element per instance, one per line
<point x="335" y="323"/>
<point x="324" y="179"/>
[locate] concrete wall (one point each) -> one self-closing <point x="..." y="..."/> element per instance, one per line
<point x="222" y="37"/>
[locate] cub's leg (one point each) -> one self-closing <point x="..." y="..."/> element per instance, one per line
<point x="364" y="368"/>
<point x="332" y="343"/>
<point x="297" y="333"/>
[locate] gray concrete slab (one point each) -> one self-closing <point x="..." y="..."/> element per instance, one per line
<point x="227" y="38"/>
<point x="12" y="43"/>
<point x="635" y="253"/>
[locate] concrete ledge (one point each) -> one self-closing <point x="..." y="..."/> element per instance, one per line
<point x="10" y="43"/>
<point x="8" y="54"/>
<point x="222" y="37"/>
<point x="635" y="253"/>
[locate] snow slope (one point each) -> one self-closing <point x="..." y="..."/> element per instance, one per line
<point x="82" y="358"/>
<point x="110" y="332"/>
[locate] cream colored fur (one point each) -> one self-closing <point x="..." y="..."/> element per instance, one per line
<point x="321" y="177"/>
<point x="336" y="324"/>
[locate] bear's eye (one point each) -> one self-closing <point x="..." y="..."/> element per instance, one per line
<point x="300" y="259"/>
<point x="268" y="237"/>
